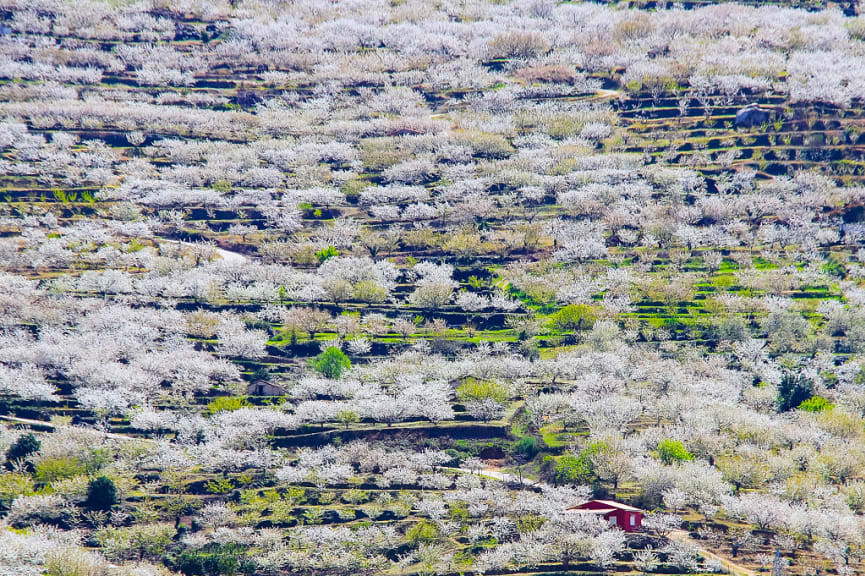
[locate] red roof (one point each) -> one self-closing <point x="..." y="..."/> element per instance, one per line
<point x="608" y="505"/>
<point x="618" y="505"/>
<point x="591" y="510"/>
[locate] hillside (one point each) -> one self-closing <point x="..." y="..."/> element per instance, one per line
<point x="385" y="287"/>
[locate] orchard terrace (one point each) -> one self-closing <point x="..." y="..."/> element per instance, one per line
<point x="495" y="259"/>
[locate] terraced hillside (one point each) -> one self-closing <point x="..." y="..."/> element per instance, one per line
<point x="387" y="287"/>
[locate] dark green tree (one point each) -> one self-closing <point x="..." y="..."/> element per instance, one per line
<point x="794" y="390"/>
<point x="101" y="493"/>
<point x="528" y="446"/>
<point x="25" y="446"/>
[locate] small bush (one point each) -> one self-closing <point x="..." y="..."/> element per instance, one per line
<point x="369" y="291"/>
<point x="816" y="404"/>
<point x="575" y="317"/>
<point x="670" y="451"/>
<point x="226" y="404"/>
<point x="579" y="468"/>
<point x="422" y="533"/>
<point x="71" y="561"/>
<point x="12" y="485"/>
<point x="304" y="255"/>
<point x="52" y="469"/>
<point x="101" y="493"/>
<point x="856" y="28"/>
<point x="473" y="390"/>
<point x="485" y="145"/>
<point x="25" y="446"/>
<point x="547" y="73"/>
<point x="212" y="560"/>
<point x="347" y="417"/>
<point x="528" y="446"/>
<point x="326" y="253"/>
<point x="219" y="486"/>
<point x="638" y="26"/>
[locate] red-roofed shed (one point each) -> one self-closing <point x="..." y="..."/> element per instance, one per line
<point x="621" y="515"/>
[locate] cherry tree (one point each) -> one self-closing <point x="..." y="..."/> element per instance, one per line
<point x="435" y="286"/>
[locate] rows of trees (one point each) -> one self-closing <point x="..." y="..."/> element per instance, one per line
<point x="446" y="235"/>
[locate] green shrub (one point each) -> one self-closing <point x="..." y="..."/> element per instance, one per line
<point x="226" y="404"/>
<point x="834" y="266"/>
<point x="670" y="451"/>
<point x="474" y="390"/>
<point x="219" y="486"/>
<point x="303" y="255"/>
<point x="331" y="362"/>
<point x="97" y="460"/>
<point x="485" y="145"/>
<point x="223" y="186"/>
<point x="212" y="560"/>
<point x="816" y="404"/>
<point x="564" y="126"/>
<point x="13" y="485"/>
<point x="579" y="468"/>
<point x="528" y="446"/>
<point x="422" y="533"/>
<point x="456" y="457"/>
<point x="353" y="188"/>
<point x="575" y="317"/>
<point x="58" y="468"/>
<point x="326" y="253"/>
<point x="101" y="493"/>
<point x="136" y="541"/>
<point x="369" y="291"/>
<point x="732" y="329"/>
<point x="23" y="447"/>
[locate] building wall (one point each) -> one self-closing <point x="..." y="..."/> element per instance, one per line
<point x="624" y="519"/>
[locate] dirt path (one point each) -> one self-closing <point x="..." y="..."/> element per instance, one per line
<point x="111" y="435"/>
<point x="605" y="94"/>
<point x="734" y="568"/>
<point x="231" y="257"/>
<point x="227" y="255"/>
<point x="492" y="472"/>
<point x="496" y="474"/>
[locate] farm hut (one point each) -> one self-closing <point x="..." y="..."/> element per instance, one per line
<point x="264" y="388"/>
<point x="621" y="515"/>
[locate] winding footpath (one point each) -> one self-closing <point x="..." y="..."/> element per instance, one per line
<point x="227" y="255"/>
<point x="496" y="474"/>
<point x="112" y="435"/>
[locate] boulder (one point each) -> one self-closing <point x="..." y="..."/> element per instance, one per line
<point x="751" y="115"/>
